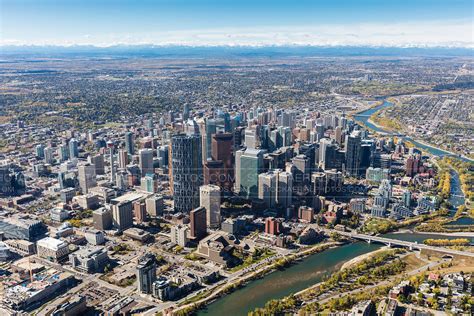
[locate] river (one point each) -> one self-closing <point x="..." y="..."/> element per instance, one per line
<point x="297" y="277"/>
<point x="364" y="116"/>
<point x="457" y="197"/>
<point x="281" y="283"/>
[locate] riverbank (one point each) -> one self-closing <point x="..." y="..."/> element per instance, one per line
<point x="454" y="234"/>
<point x="361" y="258"/>
<point x="222" y="290"/>
<point x="374" y="105"/>
<point x="378" y="126"/>
<point x="283" y="282"/>
<point x="348" y="264"/>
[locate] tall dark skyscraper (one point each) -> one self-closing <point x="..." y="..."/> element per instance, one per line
<point x="146" y="273"/>
<point x="186" y="112"/>
<point x="186" y="163"/>
<point x="353" y="153"/>
<point x="222" y="150"/>
<point x="198" y="223"/>
<point x="129" y="143"/>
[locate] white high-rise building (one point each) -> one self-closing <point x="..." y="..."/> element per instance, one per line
<point x="275" y="188"/>
<point x="210" y="199"/>
<point x="49" y="155"/>
<point x="179" y="235"/>
<point x="251" y="138"/>
<point x="87" y="177"/>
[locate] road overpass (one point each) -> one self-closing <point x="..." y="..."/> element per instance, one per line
<point x="401" y="243"/>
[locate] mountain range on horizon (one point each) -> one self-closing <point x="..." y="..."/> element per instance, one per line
<point x="144" y="50"/>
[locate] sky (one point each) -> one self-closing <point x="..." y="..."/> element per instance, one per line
<point x="398" y="23"/>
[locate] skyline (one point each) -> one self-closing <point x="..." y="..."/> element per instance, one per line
<point x="212" y="23"/>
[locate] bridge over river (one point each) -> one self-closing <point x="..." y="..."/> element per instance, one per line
<point x="401" y="243"/>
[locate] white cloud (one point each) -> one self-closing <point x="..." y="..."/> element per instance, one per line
<point x="426" y="34"/>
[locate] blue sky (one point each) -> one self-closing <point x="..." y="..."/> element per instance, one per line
<point x="237" y="22"/>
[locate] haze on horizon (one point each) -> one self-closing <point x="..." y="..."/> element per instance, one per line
<point x="404" y="23"/>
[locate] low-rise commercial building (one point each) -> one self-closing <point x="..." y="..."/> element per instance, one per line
<point x="90" y="259"/>
<point x="52" y="249"/>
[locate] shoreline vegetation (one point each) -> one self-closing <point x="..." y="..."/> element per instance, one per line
<point x="192" y="305"/>
<point x="447" y="242"/>
<point x="383" y="226"/>
<point x="465" y="171"/>
<point x="365" y="273"/>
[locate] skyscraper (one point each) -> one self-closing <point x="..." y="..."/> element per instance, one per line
<point x="323" y="143"/>
<point x="272" y="226"/>
<point x="146" y="161"/>
<point x="222" y="150"/>
<point x="249" y="164"/>
<point x="87" y="176"/>
<point x="111" y="147"/>
<point x="251" y="138"/>
<point x="73" y="148"/>
<point x="301" y="174"/>
<point x="146" y="273"/>
<point x="338" y="135"/>
<point x="63" y="152"/>
<point x="186" y="161"/>
<point x="284" y="188"/>
<point x="210" y="199"/>
<point x="98" y="162"/>
<point x="154" y="205"/>
<point x="211" y="129"/>
<point x="49" y="155"/>
<point x="40" y="151"/>
<point x="186" y="112"/>
<point x="122" y="159"/>
<point x="198" y="223"/>
<point x="129" y="146"/>
<point x="102" y="218"/>
<point x="267" y="187"/>
<point x="275" y="188"/>
<point x="353" y="153"/>
<point x="122" y="215"/>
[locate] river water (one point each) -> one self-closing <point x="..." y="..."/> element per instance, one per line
<point x="297" y="277"/>
<point x="364" y="116"/>
<point x="314" y="268"/>
<point x="282" y="283"/>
